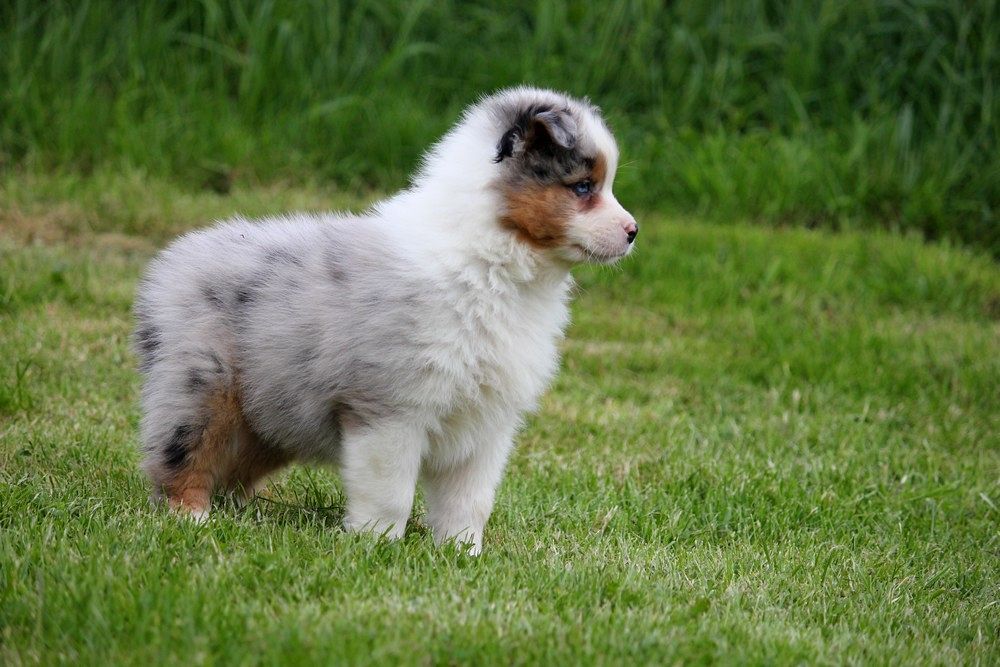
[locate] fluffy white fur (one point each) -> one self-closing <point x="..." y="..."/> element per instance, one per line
<point x="402" y="345"/>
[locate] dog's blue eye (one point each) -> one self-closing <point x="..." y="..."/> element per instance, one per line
<point x="582" y="189"/>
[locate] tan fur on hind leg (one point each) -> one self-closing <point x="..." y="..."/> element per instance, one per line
<point x="190" y="488"/>
<point x="251" y="461"/>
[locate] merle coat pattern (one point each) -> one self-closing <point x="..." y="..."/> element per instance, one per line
<point x="401" y="345"/>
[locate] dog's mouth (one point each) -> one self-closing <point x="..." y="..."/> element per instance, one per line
<point x="600" y="258"/>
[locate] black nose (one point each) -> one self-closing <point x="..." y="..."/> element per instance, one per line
<point x="632" y="234"/>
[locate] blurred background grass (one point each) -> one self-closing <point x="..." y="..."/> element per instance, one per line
<point x="818" y="113"/>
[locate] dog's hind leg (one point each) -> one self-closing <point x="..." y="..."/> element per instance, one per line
<point x="189" y="448"/>
<point x="251" y="461"/>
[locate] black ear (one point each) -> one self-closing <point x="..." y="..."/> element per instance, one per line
<point x="509" y="142"/>
<point x="552" y="128"/>
<point x="538" y="129"/>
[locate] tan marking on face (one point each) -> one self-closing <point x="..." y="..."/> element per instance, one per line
<point x="600" y="171"/>
<point x="538" y="214"/>
<point x="541" y="214"/>
<point x="597" y="176"/>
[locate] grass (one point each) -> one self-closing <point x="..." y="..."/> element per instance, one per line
<point x="765" y="446"/>
<point x="872" y="113"/>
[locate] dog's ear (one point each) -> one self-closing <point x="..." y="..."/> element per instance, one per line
<point x="552" y="128"/>
<point x="538" y="130"/>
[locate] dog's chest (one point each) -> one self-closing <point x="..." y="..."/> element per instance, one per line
<point x="498" y="354"/>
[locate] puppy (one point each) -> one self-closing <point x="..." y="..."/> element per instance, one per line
<point x="404" y="344"/>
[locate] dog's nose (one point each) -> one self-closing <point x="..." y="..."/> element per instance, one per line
<point x="632" y="230"/>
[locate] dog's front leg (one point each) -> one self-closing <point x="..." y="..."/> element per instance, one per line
<point x="380" y="465"/>
<point x="460" y="494"/>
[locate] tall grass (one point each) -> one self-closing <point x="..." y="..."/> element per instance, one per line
<point x="822" y="113"/>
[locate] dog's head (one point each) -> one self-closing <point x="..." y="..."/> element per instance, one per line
<point x="556" y="162"/>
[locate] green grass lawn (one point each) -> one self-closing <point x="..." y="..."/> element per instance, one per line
<point x="765" y="446"/>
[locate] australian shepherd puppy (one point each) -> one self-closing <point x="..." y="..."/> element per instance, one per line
<point x="402" y="345"/>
